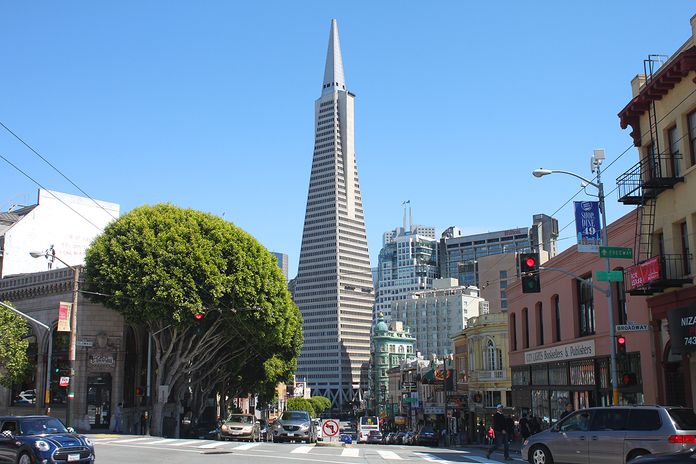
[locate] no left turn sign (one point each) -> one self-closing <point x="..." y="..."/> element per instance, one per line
<point x="330" y="428"/>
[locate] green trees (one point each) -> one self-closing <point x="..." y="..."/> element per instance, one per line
<point x="320" y="404"/>
<point x="13" y="346"/>
<point x="162" y="265"/>
<point x="314" y="405"/>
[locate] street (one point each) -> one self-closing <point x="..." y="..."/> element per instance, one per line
<point x="124" y="448"/>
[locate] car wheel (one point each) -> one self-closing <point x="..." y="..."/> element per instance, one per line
<point x="24" y="459"/>
<point x="540" y="455"/>
<point x="636" y="454"/>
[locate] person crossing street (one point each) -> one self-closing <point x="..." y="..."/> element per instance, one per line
<point x="501" y="435"/>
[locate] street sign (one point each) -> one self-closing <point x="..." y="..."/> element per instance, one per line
<point x="64" y="381"/>
<point x="610" y="276"/>
<point x="632" y="327"/>
<point x="85" y="343"/>
<point x="329" y="428"/>
<point x="410" y="400"/>
<point x="615" y="252"/>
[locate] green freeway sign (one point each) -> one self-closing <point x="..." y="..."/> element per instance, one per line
<point x="615" y="252"/>
<point x="611" y="276"/>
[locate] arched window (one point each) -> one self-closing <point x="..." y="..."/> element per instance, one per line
<point x="513" y="331"/>
<point x="491" y="356"/>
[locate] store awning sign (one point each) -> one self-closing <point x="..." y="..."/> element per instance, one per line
<point x="584" y="349"/>
<point x="644" y="273"/>
<point x="682" y="329"/>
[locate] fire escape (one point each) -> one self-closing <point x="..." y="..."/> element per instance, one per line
<point x="653" y="270"/>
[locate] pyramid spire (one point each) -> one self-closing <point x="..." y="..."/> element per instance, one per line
<point x="333" y="72"/>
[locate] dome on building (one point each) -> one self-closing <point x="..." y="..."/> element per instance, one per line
<point x="380" y="326"/>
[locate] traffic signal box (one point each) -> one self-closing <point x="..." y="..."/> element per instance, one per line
<point x="529" y="268"/>
<point x="620" y="345"/>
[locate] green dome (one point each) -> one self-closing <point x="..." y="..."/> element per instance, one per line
<point x="380" y="325"/>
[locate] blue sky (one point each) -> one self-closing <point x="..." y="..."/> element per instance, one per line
<point x="209" y="105"/>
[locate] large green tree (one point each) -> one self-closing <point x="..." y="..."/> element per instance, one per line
<point x="13" y="346"/>
<point x="162" y="265"/>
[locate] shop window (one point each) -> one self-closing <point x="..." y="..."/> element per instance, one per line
<point x="558" y="374"/>
<point x="540" y="375"/>
<point x="582" y="372"/>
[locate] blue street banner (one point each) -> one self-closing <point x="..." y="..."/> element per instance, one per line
<point x="588" y="227"/>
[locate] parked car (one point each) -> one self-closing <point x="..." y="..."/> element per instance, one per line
<point x="346" y="438"/>
<point x="375" y="437"/>
<point x="389" y="439"/>
<point x="680" y="457"/>
<point x="295" y="425"/>
<point x="410" y="438"/>
<point x="614" y="434"/>
<point x="263" y="429"/>
<point x="205" y="429"/>
<point x="427" y="436"/>
<point x="240" y="427"/>
<point x="399" y="439"/>
<point x="32" y="439"/>
<point x="320" y="432"/>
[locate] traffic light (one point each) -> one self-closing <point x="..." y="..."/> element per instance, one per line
<point x="529" y="268"/>
<point x="629" y="378"/>
<point x="198" y="316"/>
<point x="620" y="345"/>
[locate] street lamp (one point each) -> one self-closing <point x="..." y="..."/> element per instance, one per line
<point x="596" y="162"/>
<point x="51" y="254"/>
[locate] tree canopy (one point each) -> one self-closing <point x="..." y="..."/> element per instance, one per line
<point x="162" y="265"/>
<point x="13" y="346"/>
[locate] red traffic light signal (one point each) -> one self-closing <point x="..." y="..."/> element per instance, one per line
<point x="628" y="378"/>
<point x="198" y="316"/>
<point x="529" y="268"/>
<point x="620" y="345"/>
<point x="530" y="261"/>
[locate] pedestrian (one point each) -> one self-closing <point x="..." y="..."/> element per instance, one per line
<point x="568" y="410"/>
<point x="117" y="417"/>
<point x="524" y="426"/>
<point x="510" y="429"/>
<point x="534" y="425"/>
<point x="500" y="434"/>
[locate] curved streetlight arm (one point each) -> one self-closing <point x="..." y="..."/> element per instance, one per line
<point x="544" y="172"/>
<point x="49" y="254"/>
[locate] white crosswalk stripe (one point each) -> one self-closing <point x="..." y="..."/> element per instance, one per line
<point x="432" y="458"/>
<point x="350" y="453"/>
<point x="246" y="446"/>
<point x="214" y="444"/>
<point x="388" y="455"/>
<point x="302" y="449"/>
<point x="132" y="440"/>
<point x="155" y="442"/>
<point x="184" y="443"/>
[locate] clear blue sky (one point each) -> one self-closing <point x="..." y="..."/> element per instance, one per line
<point x="209" y="105"/>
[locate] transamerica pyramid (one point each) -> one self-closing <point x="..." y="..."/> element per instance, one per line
<point x="334" y="284"/>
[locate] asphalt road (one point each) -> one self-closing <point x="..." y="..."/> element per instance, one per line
<point x="138" y="449"/>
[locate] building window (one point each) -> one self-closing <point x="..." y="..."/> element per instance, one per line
<point x="684" y="236"/>
<point x="692" y="137"/>
<point x="673" y="140"/>
<point x="491" y="399"/>
<point x="525" y="328"/>
<point x="557" y="318"/>
<point x="540" y="323"/>
<point x="621" y="310"/>
<point x="513" y="331"/>
<point x="586" y="314"/>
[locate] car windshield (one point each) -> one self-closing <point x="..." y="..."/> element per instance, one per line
<point x="239" y="418"/>
<point x="684" y="419"/>
<point x="295" y="415"/>
<point x="42" y="425"/>
<point x="427" y="430"/>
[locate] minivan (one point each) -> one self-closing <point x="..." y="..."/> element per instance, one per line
<point x="613" y="435"/>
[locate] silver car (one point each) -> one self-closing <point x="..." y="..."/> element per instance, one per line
<point x="295" y="426"/>
<point x="613" y="435"/>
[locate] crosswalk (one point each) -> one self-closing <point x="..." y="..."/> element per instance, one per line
<point x="349" y="453"/>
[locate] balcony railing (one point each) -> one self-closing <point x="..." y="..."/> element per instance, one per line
<point x="491" y="375"/>
<point x="648" y="178"/>
<point x="658" y="273"/>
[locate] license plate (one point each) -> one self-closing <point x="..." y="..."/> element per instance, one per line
<point x="73" y="457"/>
<point x="290" y="434"/>
<point x="236" y="432"/>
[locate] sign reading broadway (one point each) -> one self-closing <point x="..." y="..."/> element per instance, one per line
<point x="561" y="353"/>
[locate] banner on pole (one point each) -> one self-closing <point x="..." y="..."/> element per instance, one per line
<point x="588" y="226"/>
<point x="64" y="310"/>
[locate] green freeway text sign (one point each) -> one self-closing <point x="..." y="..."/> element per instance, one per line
<point x="611" y="276"/>
<point x="615" y="252"/>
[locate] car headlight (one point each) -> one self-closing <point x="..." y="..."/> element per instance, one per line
<point x="246" y="429"/>
<point x="224" y="427"/>
<point x="42" y="445"/>
<point x="278" y="426"/>
<point x="305" y="426"/>
<point x="88" y="442"/>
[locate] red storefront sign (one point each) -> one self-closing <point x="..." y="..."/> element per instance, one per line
<point x="644" y="273"/>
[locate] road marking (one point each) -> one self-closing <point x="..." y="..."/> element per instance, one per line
<point x="350" y="453"/>
<point x="156" y="441"/>
<point x="184" y="443"/>
<point x="248" y="446"/>
<point x="388" y="454"/>
<point x="214" y="444"/>
<point x="302" y="449"/>
<point x="432" y="458"/>
<point x="131" y="440"/>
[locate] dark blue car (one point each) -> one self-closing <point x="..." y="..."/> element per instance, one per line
<point x="41" y="439"/>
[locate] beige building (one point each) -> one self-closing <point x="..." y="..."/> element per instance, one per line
<point x="662" y="116"/>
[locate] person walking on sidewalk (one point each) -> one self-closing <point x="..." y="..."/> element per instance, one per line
<point x="524" y="427"/>
<point x="500" y="434"/>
